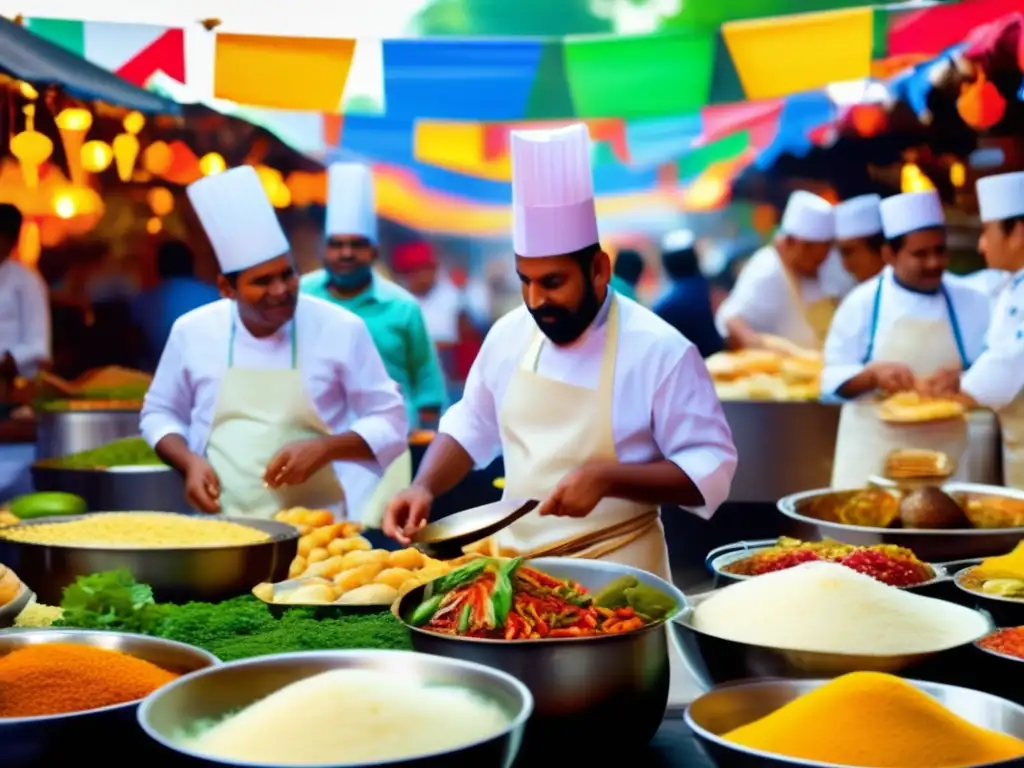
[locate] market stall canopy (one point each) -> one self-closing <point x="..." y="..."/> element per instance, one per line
<point x="30" y="58"/>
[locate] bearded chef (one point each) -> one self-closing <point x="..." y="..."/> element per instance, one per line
<point x="779" y="293"/>
<point x="996" y="380"/>
<point x="859" y="236"/>
<point x="909" y="327"/>
<point x="600" y="409"/>
<point x="260" y="398"/>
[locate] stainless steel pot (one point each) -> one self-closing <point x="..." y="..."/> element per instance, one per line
<point x="176" y="575"/>
<point x="808" y="510"/>
<point x="212" y="693"/>
<point x="62" y="433"/>
<point x="117" y="489"/>
<point x="732" y="706"/>
<point x="29" y="742"/>
<point x="613" y="684"/>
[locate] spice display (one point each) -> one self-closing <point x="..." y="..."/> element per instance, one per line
<point x="997" y="576"/>
<point x="56" y="678"/>
<point x="236" y="629"/>
<point x="1009" y="642"/>
<point x="137" y="530"/>
<point x="896" y="566"/>
<point x="10" y="585"/>
<point x="500" y="598"/>
<point x="875" y="720"/>
<point x="828" y="608"/>
<point x="128" y="452"/>
<point x="313" y="722"/>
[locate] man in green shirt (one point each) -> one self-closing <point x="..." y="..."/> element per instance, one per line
<point x="392" y="314"/>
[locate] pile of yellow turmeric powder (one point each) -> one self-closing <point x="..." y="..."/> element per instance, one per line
<point x="877" y="720"/>
<point x="58" y="678"/>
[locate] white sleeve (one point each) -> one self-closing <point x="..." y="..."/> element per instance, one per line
<point x="33" y="347"/>
<point x="753" y="299"/>
<point x="473" y="421"/>
<point x="846" y="344"/>
<point x="167" y="407"/>
<point x="997" y="376"/>
<point x="381" y="418"/>
<point x="690" y="430"/>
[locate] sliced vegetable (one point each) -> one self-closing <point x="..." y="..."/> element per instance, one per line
<point x="650" y="602"/>
<point x="464" y="618"/>
<point x="460" y="576"/>
<point x="501" y="597"/>
<point x="614" y="594"/>
<point x="425" y="611"/>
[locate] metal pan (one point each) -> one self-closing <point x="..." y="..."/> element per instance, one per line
<point x="1006" y="611"/>
<point x="445" y="539"/>
<point x="718" y="559"/>
<point x="809" y="510"/>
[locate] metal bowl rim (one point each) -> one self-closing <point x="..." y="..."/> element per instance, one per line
<point x="682" y="605"/>
<point x="787" y="506"/>
<point x="997" y="654"/>
<point x="282" y="535"/>
<point x="49" y="465"/>
<point x="514" y="724"/>
<point x="683" y="621"/>
<point x="924" y="686"/>
<point x="942" y="574"/>
<point x="984" y="595"/>
<point x="9" y="722"/>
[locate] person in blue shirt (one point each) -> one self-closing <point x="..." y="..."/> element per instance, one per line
<point x="178" y="293"/>
<point x="627" y="271"/>
<point x="686" y="306"/>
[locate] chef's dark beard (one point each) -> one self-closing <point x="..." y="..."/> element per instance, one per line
<point x="562" y="325"/>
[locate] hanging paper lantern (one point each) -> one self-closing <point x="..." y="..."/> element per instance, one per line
<point x="211" y="164"/>
<point x="157" y="158"/>
<point x="29" y="244"/>
<point x="96" y="156"/>
<point x="957" y="174"/>
<point x="981" y="105"/>
<point x="913" y="179"/>
<point x="126" y="145"/>
<point x="154" y="226"/>
<point x="273" y="184"/>
<point x="160" y="200"/>
<point x="73" y="124"/>
<point x="868" y="120"/>
<point x="307" y="188"/>
<point x="134" y="122"/>
<point x="184" y="167"/>
<point x="28" y="91"/>
<point x="32" y="148"/>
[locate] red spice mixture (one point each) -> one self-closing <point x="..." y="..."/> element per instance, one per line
<point x="1009" y="642"/>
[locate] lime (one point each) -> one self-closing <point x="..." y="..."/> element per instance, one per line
<point x="47" y="504"/>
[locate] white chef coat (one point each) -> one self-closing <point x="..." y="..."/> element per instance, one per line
<point x="997" y="376"/>
<point x="342" y="371"/>
<point x="763" y="298"/>
<point x="665" y="402"/>
<point x="441" y="307"/>
<point x="24" y="317"/>
<point x="988" y="281"/>
<point x="855" y="329"/>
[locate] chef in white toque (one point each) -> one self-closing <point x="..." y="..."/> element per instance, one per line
<point x="907" y="328"/>
<point x="261" y="397"/>
<point x="859" y="236"/>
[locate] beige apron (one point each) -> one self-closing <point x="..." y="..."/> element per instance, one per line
<point x="864" y="440"/>
<point x="806" y="323"/>
<point x="397" y="477"/>
<point x="258" y="412"/>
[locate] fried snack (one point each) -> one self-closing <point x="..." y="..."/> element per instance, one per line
<point x="872" y="508"/>
<point x="994" y="512"/>
<point x="10" y="585"/>
<point x="914" y="464"/>
<point x="912" y="408"/>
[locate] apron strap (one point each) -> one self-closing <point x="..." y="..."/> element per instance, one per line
<point x="293" y="333"/>
<point x="798" y="299"/>
<point x="876" y="306"/>
<point x="954" y="324"/>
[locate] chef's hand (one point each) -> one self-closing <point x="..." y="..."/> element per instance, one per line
<point x="407" y="513"/>
<point x="892" y="377"/>
<point x="202" y="488"/>
<point x="296" y="462"/>
<point x="943" y="383"/>
<point x="577" y="494"/>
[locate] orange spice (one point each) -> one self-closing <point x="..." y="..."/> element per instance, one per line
<point x="58" y="678"/>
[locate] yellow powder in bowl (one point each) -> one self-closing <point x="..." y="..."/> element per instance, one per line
<point x="875" y="720"/>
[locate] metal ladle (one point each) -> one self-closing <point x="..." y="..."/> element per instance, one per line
<point x="445" y="539"/>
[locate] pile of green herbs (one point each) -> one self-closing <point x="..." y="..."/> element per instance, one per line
<point x="236" y="629"/>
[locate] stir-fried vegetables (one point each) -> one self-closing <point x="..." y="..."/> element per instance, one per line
<point x="504" y="599"/>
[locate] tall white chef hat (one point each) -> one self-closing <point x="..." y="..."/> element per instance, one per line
<point x="553" y="209"/>
<point x="858" y="217"/>
<point x="350" y="206"/>
<point x="809" y="217"/>
<point x="1001" y="197"/>
<point x="677" y="240"/>
<point x="911" y="211"/>
<point x="238" y="218"/>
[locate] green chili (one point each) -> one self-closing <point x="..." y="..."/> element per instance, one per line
<point x="501" y="597"/>
<point x="464" y="615"/>
<point x="460" y="576"/>
<point x="425" y="611"/>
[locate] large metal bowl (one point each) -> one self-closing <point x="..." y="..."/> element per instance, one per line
<point x="715" y="660"/>
<point x="212" y="693"/>
<point x="732" y="706"/>
<point x="811" y="513"/>
<point x="117" y="489"/>
<point x="42" y="741"/>
<point x="614" y="684"/>
<point x="176" y="575"/>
